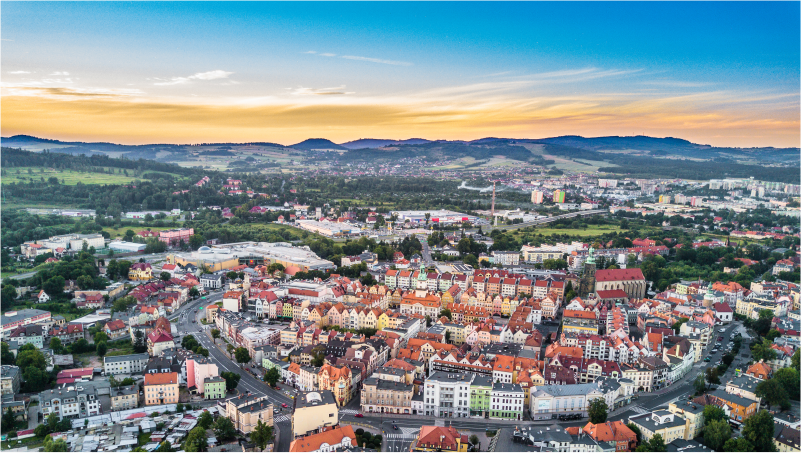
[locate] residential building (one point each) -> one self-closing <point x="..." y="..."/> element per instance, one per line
<point x="13" y="319"/>
<point x="140" y="271"/>
<point x="30" y="334"/>
<point x="176" y="236"/>
<point x="340" y="438"/>
<point x="693" y="413"/>
<point x="448" y="395"/>
<point x="667" y="424"/>
<point x="787" y="439"/>
<point x="77" y="400"/>
<point x="10" y="378"/>
<point x="211" y="281"/>
<point x="245" y="411"/>
<point x="506" y="258"/>
<point x="314" y="411"/>
<point x="480" y="396"/>
<point x="546" y="401"/>
<point x="125" y="364"/>
<point x="337" y="380"/>
<point x="609" y="436"/>
<point x="213" y="387"/>
<point x="507" y="401"/>
<point x="161" y="388"/>
<point x="388" y="397"/>
<point x="439" y="438"/>
<point x="123" y="398"/>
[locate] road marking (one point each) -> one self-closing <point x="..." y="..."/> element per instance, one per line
<point x="639" y="409"/>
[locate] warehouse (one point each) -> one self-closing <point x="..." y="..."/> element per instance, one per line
<point x="126" y="247"/>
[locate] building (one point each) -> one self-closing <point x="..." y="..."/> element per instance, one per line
<point x="506" y="401"/>
<point x="667" y="424"/>
<point x="558" y="196"/>
<point x="439" y="438"/>
<point x="126" y="247"/>
<point x="198" y="369"/>
<point x="314" y="412"/>
<point x="537" y="196"/>
<point x="123" y="398"/>
<point x="341" y="438"/>
<point x="631" y="281"/>
<point x="386" y="397"/>
<point x="211" y="281"/>
<point x="246" y="410"/>
<point x="175" y="237"/>
<point x="30" y="334"/>
<point x="10" y="378"/>
<point x="232" y="301"/>
<point x="693" y="413"/>
<point x="125" y="364"/>
<point x="214" y="387"/>
<point x="337" y="380"/>
<point x="161" y="388"/>
<point x="787" y="439"/>
<point x="549" y="400"/>
<point x="252" y="254"/>
<point x="73" y="401"/>
<point x="506" y="258"/>
<point x="613" y="436"/>
<point x="13" y="319"/>
<point x="447" y="395"/>
<point x="159" y="340"/>
<point x="140" y="271"/>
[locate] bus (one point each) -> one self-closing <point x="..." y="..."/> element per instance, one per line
<point x="735" y="425"/>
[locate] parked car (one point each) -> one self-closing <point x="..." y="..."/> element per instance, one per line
<point x="359" y="415"/>
<point x="284" y="405"/>
<point x="395" y="427"/>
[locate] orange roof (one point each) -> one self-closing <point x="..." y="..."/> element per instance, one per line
<point x="232" y="295"/>
<point x="759" y="369"/>
<point x="161" y="378"/>
<point x="438" y="437"/>
<point x="335" y="373"/>
<point x="610" y="431"/>
<point x="579" y="314"/>
<point x="331" y="437"/>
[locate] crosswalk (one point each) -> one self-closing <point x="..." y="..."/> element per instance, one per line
<point x="639" y="409"/>
<point x="404" y="434"/>
<point x="348" y="412"/>
<point x="282" y="418"/>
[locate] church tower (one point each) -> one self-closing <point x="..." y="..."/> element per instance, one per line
<point x="587" y="283"/>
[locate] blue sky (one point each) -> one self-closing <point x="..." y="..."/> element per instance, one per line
<point x="724" y="73"/>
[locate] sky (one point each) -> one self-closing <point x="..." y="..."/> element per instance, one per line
<point x="718" y="73"/>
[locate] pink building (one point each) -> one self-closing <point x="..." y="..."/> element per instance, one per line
<point x="173" y="237"/>
<point x="198" y="368"/>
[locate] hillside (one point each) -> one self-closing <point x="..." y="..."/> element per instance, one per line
<point x="316" y="143"/>
<point x="363" y="143"/>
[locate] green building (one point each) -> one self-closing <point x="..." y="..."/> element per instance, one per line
<point x="480" y="393"/>
<point x="507" y="401"/>
<point x="214" y="388"/>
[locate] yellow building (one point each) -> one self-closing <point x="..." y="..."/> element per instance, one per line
<point x="161" y="388"/>
<point x="245" y="411"/>
<point x="693" y="413"/>
<point x="124" y="398"/>
<point x="211" y="312"/>
<point x="140" y="271"/>
<point x="313" y="412"/>
<point x="337" y="380"/>
<point x="667" y="424"/>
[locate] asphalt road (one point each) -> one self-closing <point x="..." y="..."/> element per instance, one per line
<point x="548" y="220"/>
<point x="247" y="383"/>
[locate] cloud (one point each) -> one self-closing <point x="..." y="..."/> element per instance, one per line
<point x="328" y="55"/>
<point x="18" y="72"/>
<point x="303" y="91"/>
<point x="378" y="60"/>
<point x="60" y="73"/>
<point x="209" y="75"/>
<point x="310" y="51"/>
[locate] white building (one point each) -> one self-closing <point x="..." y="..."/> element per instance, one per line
<point x="547" y="400"/>
<point x="506" y="402"/>
<point x="506" y="258"/>
<point x="125" y="364"/>
<point x="77" y="400"/>
<point x="447" y="395"/>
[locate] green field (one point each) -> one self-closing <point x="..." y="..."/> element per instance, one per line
<point x="114" y="232"/>
<point x="70" y="177"/>
<point x="592" y="230"/>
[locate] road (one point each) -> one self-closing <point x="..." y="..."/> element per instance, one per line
<point x="247" y="383"/>
<point x="426" y="253"/>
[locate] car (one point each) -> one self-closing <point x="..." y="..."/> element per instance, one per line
<point x="284" y="405"/>
<point x="720" y="338"/>
<point x="395" y="427"/>
<point x="359" y="415"/>
<point x="707" y="359"/>
<point x="721" y="330"/>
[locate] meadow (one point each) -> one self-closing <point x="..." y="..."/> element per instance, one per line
<point x="67" y="177"/>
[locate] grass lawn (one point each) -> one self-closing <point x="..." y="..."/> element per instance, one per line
<point x="70" y="177"/>
<point x="114" y="232"/>
<point x="592" y="230"/>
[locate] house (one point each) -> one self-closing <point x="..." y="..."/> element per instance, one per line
<point x="30" y="334"/>
<point x="246" y="410"/>
<point x="161" y="388"/>
<point x="42" y="297"/>
<point x="125" y="364"/>
<point x="140" y="271"/>
<point x="759" y="370"/>
<point x="667" y="424"/>
<point x="211" y="281"/>
<point x="439" y="438"/>
<point x="340" y="438"/>
<point x="738" y="407"/>
<point x="609" y="433"/>
<point x="10" y="378"/>
<point x="80" y="400"/>
<point x="116" y="329"/>
<point x="123" y="398"/>
<point x="158" y="341"/>
<point x="787" y="439"/>
<point x="313" y="411"/>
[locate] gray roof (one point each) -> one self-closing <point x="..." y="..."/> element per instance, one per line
<point x="124" y="391"/>
<point x="481" y="381"/>
<point x="647" y="421"/>
<point x="566" y="390"/>
<point x="745" y="382"/>
<point x="383" y="384"/>
<point x="326" y="397"/>
<point x="501" y="387"/>
<point x="22" y="314"/>
<point x="125" y="358"/>
<point x="442" y="376"/>
<point x="741" y="400"/>
<point x="681" y="445"/>
<point x="9" y="371"/>
<point x="689" y="406"/>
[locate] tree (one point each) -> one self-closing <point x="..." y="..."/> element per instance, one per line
<point x="446" y="313"/>
<point x="738" y="444"/>
<point x="56" y="346"/>
<point x="164" y="276"/>
<point x="196" y="440"/>
<point x="102" y="348"/>
<point x="636" y="430"/>
<point x="215" y="333"/>
<point x="139" y="344"/>
<point x="54" y="445"/>
<point x="716" y="433"/>
<point x="194" y="292"/>
<point x="29" y="357"/>
<point x="762" y="324"/>
<point x="713" y="413"/>
<point x="100" y="336"/>
<point x="261" y="435"/>
<point x="179" y="407"/>
<point x="224" y="429"/>
<point x="677" y="325"/>
<point x="788" y="379"/>
<point x="763" y="351"/>
<point x="242" y="355"/>
<point x="699" y="383"/>
<point x="129" y="235"/>
<point x="189" y="342"/>
<point x="231" y="379"/>
<point x="474" y="440"/>
<point x="773" y="393"/>
<point x="272" y="376"/>
<point x="8" y="421"/>
<point x="6" y="356"/>
<point x="54" y="286"/>
<point x="165" y="446"/>
<point x="80" y="345"/>
<point x="773" y="334"/>
<point x="8" y="295"/>
<point x="712" y="375"/>
<point x="597" y="411"/>
<point x="657" y="443"/>
<point x="795" y="360"/>
<point x="758" y="431"/>
<point x="205" y="420"/>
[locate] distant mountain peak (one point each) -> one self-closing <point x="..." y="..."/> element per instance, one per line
<point x="316" y="143"/>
